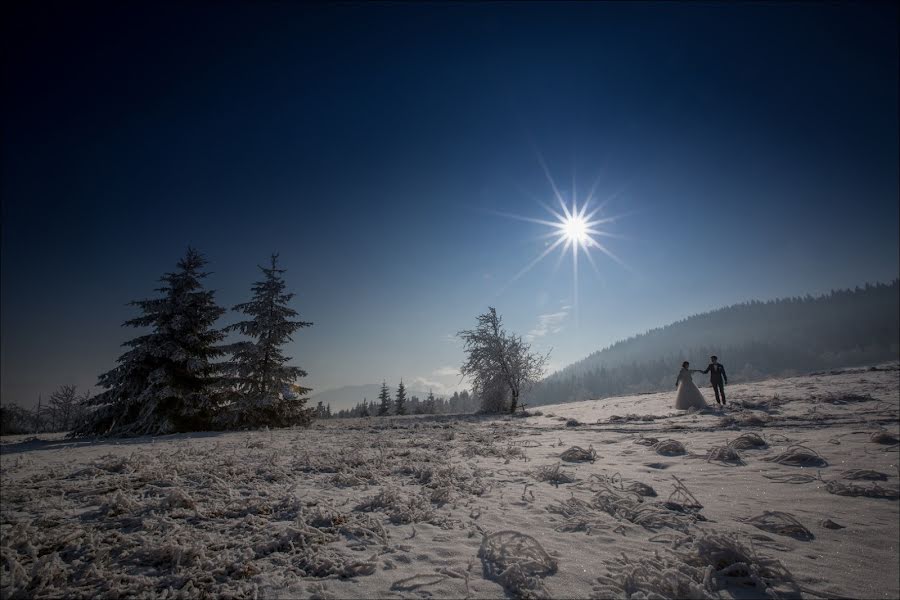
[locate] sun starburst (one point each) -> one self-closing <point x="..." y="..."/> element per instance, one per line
<point x="573" y="229"/>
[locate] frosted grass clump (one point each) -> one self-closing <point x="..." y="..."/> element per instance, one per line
<point x="579" y="454"/>
<point x="646" y="441"/>
<point x="748" y="441"/>
<point x="865" y="474"/>
<point x="578" y="515"/>
<point x="518" y="562"/>
<point x="552" y="474"/>
<point x="798" y="455"/>
<point x="782" y="523"/>
<point x="678" y="512"/>
<point x="697" y="567"/>
<point x="724" y="454"/>
<point x="669" y="448"/>
<point x="856" y="490"/>
<point x="883" y="437"/>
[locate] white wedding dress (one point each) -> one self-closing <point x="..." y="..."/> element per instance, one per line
<point x="689" y="395"/>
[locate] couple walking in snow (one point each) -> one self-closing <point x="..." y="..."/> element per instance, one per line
<point x="689" y="395"/>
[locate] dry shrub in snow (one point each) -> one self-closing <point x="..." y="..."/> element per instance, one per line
<point x="798" y="455"/>
<point x="866" y="474"/>
<point x="791" y="477"/>
<point x="641" y="489"/>
<point x="579" y="454"/>
<point x="883" y="437"/>
<point x="744" y="419"/>
<point x="871" y="491"/>
<point x="518" y="562"/>
<point x="781" y="523"/>
<point x="748" y="441"/>
<point x="829" y="524"/>
<point x="683" y="497"/>
<point x="401" y="508"/>
<point x="698" y="567"/>
<point x="844" y="398"/>
<point x="669" y="448"/>
<point x="572" y="423"/>
<point x="552" y="473"/>
<point x="647" y="441"/>
<point x="724" y="454"/>
<point x="678" y="512"/>
<point x="578" y="515"/>
<point x="634" y="417"/>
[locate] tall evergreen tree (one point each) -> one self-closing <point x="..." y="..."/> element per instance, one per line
<point x="166" y="380"/>
<point x="266" y="394"/>
<point x="429" y="403"/>
<point x="364" y="410"/>
<point x="400" y="400"/>
<point x="384" y="399"/>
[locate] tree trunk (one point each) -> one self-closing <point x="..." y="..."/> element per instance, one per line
<point x="514" y="404"/>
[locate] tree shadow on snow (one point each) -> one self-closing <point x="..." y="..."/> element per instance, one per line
<point x="34" y="444"/>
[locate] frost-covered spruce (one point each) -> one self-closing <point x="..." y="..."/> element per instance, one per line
<point x="384" y="400"/>
<point x="400" y="400"/>
<point x="165" y="381"/>
<point x="263" y="392"/>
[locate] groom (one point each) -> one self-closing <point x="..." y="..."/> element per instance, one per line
<point x="717" y="378"/>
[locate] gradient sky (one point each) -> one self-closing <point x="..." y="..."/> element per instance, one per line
<point x="753" y="149"/>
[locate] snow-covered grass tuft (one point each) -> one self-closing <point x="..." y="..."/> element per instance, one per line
<point x="748" y="441"/>
<point x="578" y="515"/>
<point x="698" y="567"/>
<point x="552" y="474"/>
<point x="782" y="523"/>
<point x="873" y="490"/>
<point x="865" y="474"/>
<point x="883" y="437"/>
<point x="679" y="512"/>
<point x="846" y="398"/>
<point x="579" y="454"/>
<point x="745" y="418"/>
<point x="518" y="562"/>
<point x="724" y="454"/>
<point x="646" y="441"/>
<point x="798" y="455"/>
<point x="669" y="448"/>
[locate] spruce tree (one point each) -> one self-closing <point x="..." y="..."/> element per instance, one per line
<point x="165" y="382"/>
<point x="400" y="400"/>
<point x="263" y="388"/>
<point x="429" y="403"/>
<point x="384" y="398"/>
<point x="364" y="410"/>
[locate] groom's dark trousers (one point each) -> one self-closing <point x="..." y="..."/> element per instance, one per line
<point x="719" y="388"/>
<point x="717" y="378"/>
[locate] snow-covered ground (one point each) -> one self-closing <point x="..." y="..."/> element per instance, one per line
<point x="478" y="507"/>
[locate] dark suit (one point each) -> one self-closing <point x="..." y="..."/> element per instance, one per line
<point x="718" y="379"/>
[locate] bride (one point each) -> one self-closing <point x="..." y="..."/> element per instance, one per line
<point x="689" y="395"/>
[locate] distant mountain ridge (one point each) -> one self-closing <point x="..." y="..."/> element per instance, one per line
<point x="753" y="339"/>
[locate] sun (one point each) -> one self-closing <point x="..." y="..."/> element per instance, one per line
<point x="575" y="230"/>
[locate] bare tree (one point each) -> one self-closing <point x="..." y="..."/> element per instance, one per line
<point x="64" y="407"/>
<point x="501" y="365"/>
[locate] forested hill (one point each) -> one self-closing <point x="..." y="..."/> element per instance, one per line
<point x="752" y="340"/>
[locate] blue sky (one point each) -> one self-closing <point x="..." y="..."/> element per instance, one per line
<point x="753" y="149"/>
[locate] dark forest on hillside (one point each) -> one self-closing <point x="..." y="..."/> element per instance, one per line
<point x="753" y="340"/>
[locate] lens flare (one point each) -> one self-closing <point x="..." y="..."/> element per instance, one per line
<point x="576" y="228"/>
